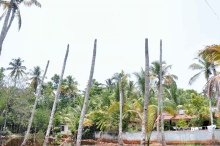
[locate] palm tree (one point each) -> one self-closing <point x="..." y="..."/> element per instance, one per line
<point x="110" y="84"/>
<point x="69" y="87"/>
<point x="211" y="53"/>
<point x="204" y="66"/>
<point x="141" y="80"/>
<point x="17" y="70"/>
<point x="121" y="107"/>
<point x="124" y="82"/>
<point x="212" y="85"/>
<point x="35" y="105"/>
<point x="2" y="73"/>
<point x="167" y="78"/>
<point x="55" y="100"/>
<point x="79" y="135"/>
<point x="12" y="6"/>
<point x="146" y="94"/>
<point x="35" y="77"/>
<point x="161" y="96"/>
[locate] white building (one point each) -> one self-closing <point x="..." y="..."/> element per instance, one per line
<point x="64" y="129"/>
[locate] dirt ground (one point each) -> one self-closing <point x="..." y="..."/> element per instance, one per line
<point x="102" y="142"/>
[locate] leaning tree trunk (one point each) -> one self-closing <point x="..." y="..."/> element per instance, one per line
<point x="5" y="25"/>
<point x="143" y="134"/>
<point x="83" y="113"/>
<point x="55" y="100"/>
<point x="121" y="109"/>
<point x="161" y="97"/>
<point x="35" y="105"/>
<point x="211" y="116"/>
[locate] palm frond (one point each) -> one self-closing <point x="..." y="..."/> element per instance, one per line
<point x="196" y="66"/>
<point x="195" y="77"/>
<point x="19" y="19"/>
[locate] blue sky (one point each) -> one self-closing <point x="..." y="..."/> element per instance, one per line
<point x="120" y="26"/>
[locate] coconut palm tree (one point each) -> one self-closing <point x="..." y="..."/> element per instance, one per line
<point x="35" y="79"/>
<point x="9" y="7"/>
<point x="146" y="94"/>
<point x="166" y="79"/>
<point x="211" y="86"/>
<point x="69" y="87"/>
<point x="204" y="67"/>
<point x="211" y="53"/>
<point x="46" y="140"/>
<point x="121" y="107"/>
<point x="110" y="84"/>
<point x="83" y="113"/>
<point x="17" y="70"/>
<point x="35" y="105"/>
<point x="124" y="82"/>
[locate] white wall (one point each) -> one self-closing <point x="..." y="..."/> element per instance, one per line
<point x="169" y="135"/>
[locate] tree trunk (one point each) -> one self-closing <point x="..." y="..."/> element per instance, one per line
<point x="6" y="113"/>
<point x="121" y="109"/>
<point x="143" y="134"/>
<point x="35" y="105"/>
<point x="55" y="100"/>
<point x="211" y="116"/>
<point x="158" y="121"/>
<point x="15" y="81"/>
<point x="161" y="97"/>
<point x="5" y="25"/>
<point x="79" y="135"/>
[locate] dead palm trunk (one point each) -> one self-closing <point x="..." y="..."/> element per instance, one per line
<point x="143" y="134"/>
<point x="211" y="116"/>
<point x="158" y="121"/>
<point x="35" y="105"/>
<point x="121" y="109"/>
<point x="83" y="113"/>
<point x="55" y="100"/>
<point x="5" y="25"/>
<point x="161" y="97"/>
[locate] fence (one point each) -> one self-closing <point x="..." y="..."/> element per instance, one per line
<point x="170" y="136"/>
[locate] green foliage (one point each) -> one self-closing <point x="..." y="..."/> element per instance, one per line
<point x="198" y="106"/>
<point x="8" y="132"/>
<point x="182" y="123"/>
<point x="59" y="135"/>
<point x="68" y="133"/>
<point x="57" y="141"/>
<point x="41" y="119"/>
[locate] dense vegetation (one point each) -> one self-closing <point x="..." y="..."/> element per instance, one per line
<point x="18" y="90"/>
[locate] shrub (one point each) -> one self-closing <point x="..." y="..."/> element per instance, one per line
<point x="182" y="123"/>
<point x="59" y="135"/>
<point x="8" y="132"/>
<point x="68" y="134"/>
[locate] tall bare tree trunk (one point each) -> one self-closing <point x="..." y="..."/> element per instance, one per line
<point x="35" y="105"/>
<point x="143" y="134"/>
<point x="5" y="25"/>
<point x="55" y="100"/>
<point x="83" y="113"/>
<point x="161" y="97"/>
<point x="211" y="116"/>
<point x="121" y="109"/>
<point x="158" y="120"/>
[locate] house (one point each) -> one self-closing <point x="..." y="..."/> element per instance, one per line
<point x="64" y="129"/>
